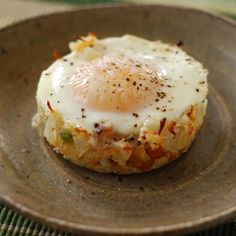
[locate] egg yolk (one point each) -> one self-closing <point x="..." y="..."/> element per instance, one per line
<point x="115" y="83"/>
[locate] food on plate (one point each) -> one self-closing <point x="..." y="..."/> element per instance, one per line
<point x="121" y="104"/>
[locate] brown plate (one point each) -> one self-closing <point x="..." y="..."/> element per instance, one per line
<point x="196" y="191"/>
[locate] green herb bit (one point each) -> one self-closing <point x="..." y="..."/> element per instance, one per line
<point x="66" y="137"/>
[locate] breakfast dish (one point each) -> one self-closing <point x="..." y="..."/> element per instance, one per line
<point x="121" y="104"/>
<point x="36" y="180"/>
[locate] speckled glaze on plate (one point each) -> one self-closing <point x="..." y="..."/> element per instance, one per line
<point x="196" y="191"/>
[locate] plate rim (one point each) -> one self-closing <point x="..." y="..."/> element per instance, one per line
<point x="118" y="5"/>
<point x="82" y="228"/>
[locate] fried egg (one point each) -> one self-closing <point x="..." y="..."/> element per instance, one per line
<point x="121" y="104"/>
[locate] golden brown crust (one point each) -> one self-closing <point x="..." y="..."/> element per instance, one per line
<point x="108" y="151"/>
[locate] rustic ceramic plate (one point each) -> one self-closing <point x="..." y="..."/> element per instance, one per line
<point x="193" y="192"/>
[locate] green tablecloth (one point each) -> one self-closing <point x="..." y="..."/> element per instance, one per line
<point x="11" y="11"/>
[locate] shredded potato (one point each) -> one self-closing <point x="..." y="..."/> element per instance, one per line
<point x="157" y="144"/>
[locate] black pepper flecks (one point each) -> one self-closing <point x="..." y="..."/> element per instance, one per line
<point x="197" y="90"/>
<point x="161" y="94"/>
<point x="96" y="125"/>
<point x="130" y="138"/>
<point x="83" y="116"/>
<point x="180" y="43"/>
<point x="135" y="115"/>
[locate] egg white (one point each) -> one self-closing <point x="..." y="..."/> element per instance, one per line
<point x="186" y="77"/>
